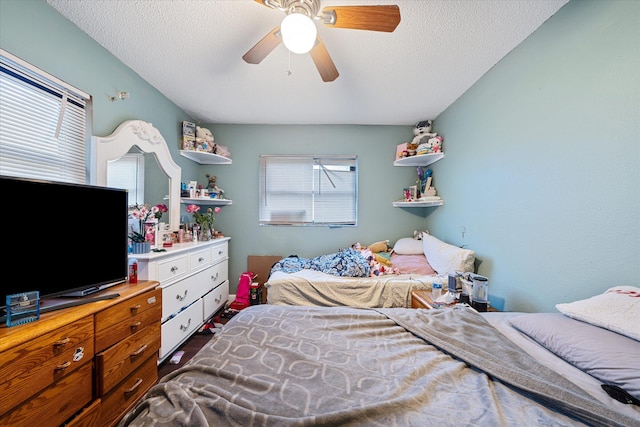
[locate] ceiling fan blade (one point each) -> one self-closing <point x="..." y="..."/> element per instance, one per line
<point x="323" y="61"/>
<point x="264" y="47"/>
<point x="372" y="18"/>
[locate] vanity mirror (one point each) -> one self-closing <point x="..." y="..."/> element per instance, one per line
<point x="144" y="137"/>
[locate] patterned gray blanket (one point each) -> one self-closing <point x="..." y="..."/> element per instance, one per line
<point x="343" y="366"/>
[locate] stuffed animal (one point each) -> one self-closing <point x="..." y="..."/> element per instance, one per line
<point x="422" y="132"/>
<point x="213" y="188"/>
<point x="204" y="140"/>
<point x="380" y="246"/>
<point x="436" y="144"/>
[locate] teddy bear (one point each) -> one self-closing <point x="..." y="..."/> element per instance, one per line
<point x="204" y="140"/>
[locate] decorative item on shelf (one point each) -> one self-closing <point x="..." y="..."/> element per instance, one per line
<point x="215" y="192"/>
<point x="424" y="141"/>
<point x="145" y="236"/>
<point x="188" y="136"/>
<point x="204" y="221"/>
<point x="204" y="140"/>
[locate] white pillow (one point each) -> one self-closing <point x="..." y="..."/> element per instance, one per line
<point x="617" y="309"/>
<point x="408" y="246"/>
<point x="446" y="258"/>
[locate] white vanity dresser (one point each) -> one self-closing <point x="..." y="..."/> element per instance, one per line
<point x="194" y="278"/>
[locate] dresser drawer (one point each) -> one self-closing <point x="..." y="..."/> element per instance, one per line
<point x="53" y="405"/>
<point x="199" y="260"/>
<point x="172" y="268"/>
<point x="183" y="293"/>
<point x="215" y="299"/>
<point x="122" y="398"/>
<point x="118" y="361"/>
<point x="34" y="365"/>
<point x="125" y="319"/>
<point x="219" y="252"/>
<point x="180" y="327"/>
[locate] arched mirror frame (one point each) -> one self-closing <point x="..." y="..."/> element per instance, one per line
<point x="149" y="140"/>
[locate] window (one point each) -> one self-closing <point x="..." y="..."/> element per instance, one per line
<point x="43" y="124"/>
<point x="308" y="190"/>
<point x="128" y="172"/>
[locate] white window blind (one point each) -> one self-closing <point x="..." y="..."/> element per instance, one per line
<point x="128" y="173"/>
<point x="43" y="124"/>
<point x="308" y="190"/>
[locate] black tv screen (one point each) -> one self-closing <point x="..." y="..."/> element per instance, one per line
<point x="61" y="238"/>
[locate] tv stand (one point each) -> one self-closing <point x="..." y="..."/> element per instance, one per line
<point x="82" y="365"/>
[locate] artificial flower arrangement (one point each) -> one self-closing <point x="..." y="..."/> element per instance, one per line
<point x="144" y="213"/>
<point x="204" y="220"/>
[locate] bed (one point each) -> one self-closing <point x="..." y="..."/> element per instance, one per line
<point x="276" y="365"/>
<point x="358" y="277"/>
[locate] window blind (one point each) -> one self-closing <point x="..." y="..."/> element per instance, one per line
<point x="128" y="173"/>
<point x="43" y="124"/>
<point x="308" y="190"/>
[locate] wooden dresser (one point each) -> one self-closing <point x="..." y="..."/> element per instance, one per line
<point x="82" y="366"/>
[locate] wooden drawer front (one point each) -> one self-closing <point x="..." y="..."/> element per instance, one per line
<point x="115" y="363"/>
<point x="34" y="365"/>
<point x="179" y="328"/>
<point x="55" y="404"/>
<point x="172" y="268"/>
<point x="122" y="398"/>
<point x="183" y="293"/>
<point x="125" y="319"/>
<point x="219" y="252"/>
<point x="215" y="299"/>
<point x="199" y="260"/>
<point x="89" y="417"/>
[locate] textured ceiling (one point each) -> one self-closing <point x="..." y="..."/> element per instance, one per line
<point x="191" y="51"/>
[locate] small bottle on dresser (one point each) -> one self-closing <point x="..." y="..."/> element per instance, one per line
<point x="436" y="290"/>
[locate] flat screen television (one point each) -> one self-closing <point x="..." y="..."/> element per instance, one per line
<point x="61" y="239"/>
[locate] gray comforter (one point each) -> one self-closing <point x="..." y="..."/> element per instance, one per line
<point x="331" y="366"/>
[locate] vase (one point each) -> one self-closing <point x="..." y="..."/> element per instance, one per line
<point x="204" y="234"/>
<point x="140" y="247"/>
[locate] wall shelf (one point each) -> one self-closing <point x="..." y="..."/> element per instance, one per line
<point x="205" y="201"/>
<point x="421" y="160"/>
<point x="426" y="204"/>
<point x="205" y="158"/>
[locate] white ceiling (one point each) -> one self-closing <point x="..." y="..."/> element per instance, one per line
<point x="191" y="51"/>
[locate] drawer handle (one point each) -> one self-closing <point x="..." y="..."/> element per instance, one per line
<point x="62" y="367"/>
<point x="62" y="342"/>
<point x="201" y="259"/>
<point x="133" y="387"/>
<point x="184" y="328"/>
<point x="138" y="352"/>
<point x="134" y="327"/>
<point x="182" y="298"/>
<point x="220" y="252"/>
<point x="218" y="299"/>
<point x="174" y="269"/>
<point x="214" y="278"/>
<point x="135" y="309"/>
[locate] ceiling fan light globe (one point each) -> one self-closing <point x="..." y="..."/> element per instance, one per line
<point x="298" y="33"/>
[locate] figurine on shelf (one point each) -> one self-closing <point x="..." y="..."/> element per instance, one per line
<point x="213" y="188"/>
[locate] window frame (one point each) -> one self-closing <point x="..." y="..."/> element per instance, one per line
<point x="308" y="204"/>
<point x="46" y="124"/>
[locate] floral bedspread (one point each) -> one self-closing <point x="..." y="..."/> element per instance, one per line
<point x="345" y="263"/>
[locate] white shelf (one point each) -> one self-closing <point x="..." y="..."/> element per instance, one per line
<point x="421" y="160"/>
<point x="205" y="201"/>
<point x="205" y="158"/>
<point x="418" y="204"/>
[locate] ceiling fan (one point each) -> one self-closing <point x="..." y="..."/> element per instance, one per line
<point x="298" y="32"/>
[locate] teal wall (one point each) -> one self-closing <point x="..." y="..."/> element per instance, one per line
<point x="543" y="161"/>
<point x="541" y="168"/>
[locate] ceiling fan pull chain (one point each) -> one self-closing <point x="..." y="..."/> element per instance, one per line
<point x="289" y="72"/>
